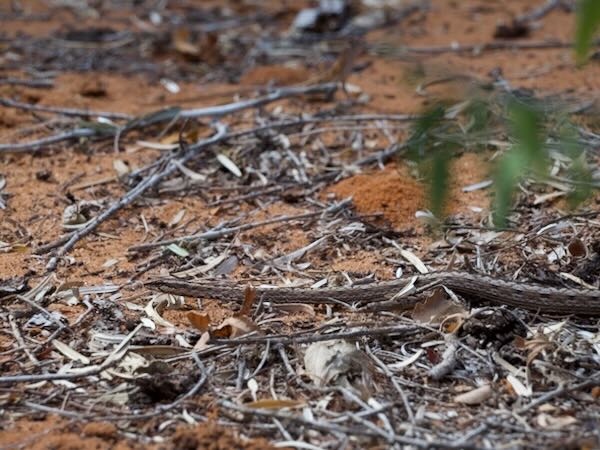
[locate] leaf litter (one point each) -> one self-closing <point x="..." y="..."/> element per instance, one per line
<point x="99" y="360"/>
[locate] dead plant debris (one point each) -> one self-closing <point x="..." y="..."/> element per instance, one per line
<point x="262" y="144"/>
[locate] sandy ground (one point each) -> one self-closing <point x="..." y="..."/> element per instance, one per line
<point x="41" y="185"/>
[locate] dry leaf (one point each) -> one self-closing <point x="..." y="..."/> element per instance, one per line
<point x="407" y="362"/>
<point x="110" y="262"/>
<point x="284" y="261"/>
<point x="211" y="263"/>
<point x="172" y="138"/>
<point x="130" y="364"/>
<point x="202" y="343"/>
<point x="148" y="323"/>
<point x="253" y="387"/>
<point x="76" y="215"/>
<point x="577" y="248"/>
<point x="181" y="42"/>
<point x="211" y="50"/>
<point x="539" y="199"/>
<point x="326" y="362"/>
<point x="508" y="387"/>
<point x="234" y="327"/>
<point x="17" y="248"/>
<point x="153" y="145"/>
<point x="452" y="324"/>
<point x="519" y="388"/>
<point x="170" y="85"/>
<point x="72" y="216"/>
<point x="121" y="167"/>
<point x="533" y="346"/>
<point x="179" y="251"/>
<point x="194" y="176"/>
<point x="162" y="351"/>
<point x="414" y="260"/>
<point x="547" y="408"/>
<point x="549" y="422"/>
<point x="433" y="356"/>
<point x="408" y="289"/>
<point x="436" y="308"/>
<point x="181" y="341"/>
<point x="199" y="321"/>
<point x="229" y="165"/>
<point x="177" y="218"/>
<point x="520" y="342"/>
<point x="576" y="279"/>
<point x="227" y="266"/>
<point x="69" y="352"/>
<point x="158" y="303"/>
<point x="273" y="403"/>
<point x="476" y="396"/>
<point x="249" y="298"/>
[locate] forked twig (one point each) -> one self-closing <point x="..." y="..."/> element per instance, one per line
<point x="134" y="194"/>
<point x="110" y="360"/>
<point x="165" y="115"/>
<point x="221" y="232"/>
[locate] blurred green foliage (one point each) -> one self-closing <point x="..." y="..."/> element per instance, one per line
<point x="530" y="127"/>
<point x="441" y="132"/>
<point x="588" y="21"/>
<point x="431" y="148"/>
<point x="527" y="154"/>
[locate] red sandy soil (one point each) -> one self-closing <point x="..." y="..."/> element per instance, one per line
<point x="36" y="205"/>
<point x="58" y="434"/>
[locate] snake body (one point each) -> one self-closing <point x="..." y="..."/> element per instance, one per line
<point x="475" y="287"/>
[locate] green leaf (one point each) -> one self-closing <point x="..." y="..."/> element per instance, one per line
<point x="162" y="115"/>
<point x="99" y="127"/>
<point x="438" y="181"/>
<point x="579" y="172"/>
<point x="478" y="114"/>
<point x="420" y="139"/>
<point x="509" y="170"/>
<point x="432" y="153"/>
<point x="588" y="20"/>
<point x="581" y="176"/>
<point x="529" y="152"/>
<point x="179" y="251"/>
<point x="527" y="128"/>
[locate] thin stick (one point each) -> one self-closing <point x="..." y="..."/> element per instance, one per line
<point x="170" y="114"/>
<point x="111" y="360"/>
<point x="217" y="111"/>
<point x="472" y="48"/>
<point x="133" y="194"/>
<point x="397" y="386"/>
<point x="19" y="338"/>
<point x="35" y="83"/>
<point x="560" y="391"/>
<point x="34" y="145"/>
<point x="394" y="330"/>
<point x="44" y="311"/>
<point x="161" y="409"/>
<point x="64" y="111"/>
<point x="328" y="427"/>
<point x="88" y="132"/>
<point x="539" y="12"/>
<point x="218" y="233"/>
<point x="173" y="165"/>
<point x="241" y="198"/>
<point x="52" y="245"/>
